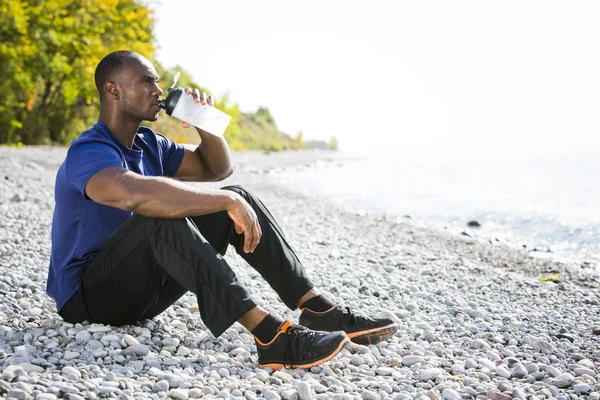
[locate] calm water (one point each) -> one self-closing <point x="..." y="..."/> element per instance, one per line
<point x="546" y="201"/>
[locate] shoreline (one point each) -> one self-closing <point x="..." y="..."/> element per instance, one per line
<point x="574" y="258"/>
<point x="474" y="319"/>
<point x="534" y="262"/>
<point x="545" y="261"/>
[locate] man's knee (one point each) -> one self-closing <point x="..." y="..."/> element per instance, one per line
<point x="176" y="224"/>
<point x="242" y="191"/>
<point x="235" y="188"/>
<point x="168" y="223"/>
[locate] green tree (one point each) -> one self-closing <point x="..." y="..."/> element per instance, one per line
<point x="49" y="50"/>
<point x="16" y="83"/>
<point x="299" y="142"/>
<point x="333" y="143"/>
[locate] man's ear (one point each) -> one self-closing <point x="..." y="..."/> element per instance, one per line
<point x="112" y="90"/>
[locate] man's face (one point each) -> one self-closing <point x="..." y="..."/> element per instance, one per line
<point x="138" y="81"/>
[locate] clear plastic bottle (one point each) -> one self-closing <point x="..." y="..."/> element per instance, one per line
<point x="181" y="105"/>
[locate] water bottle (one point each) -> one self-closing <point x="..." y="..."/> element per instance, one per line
<point x="181" y="105"/>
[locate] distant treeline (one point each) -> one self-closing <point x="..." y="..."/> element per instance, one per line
<point x="48" y="53"/>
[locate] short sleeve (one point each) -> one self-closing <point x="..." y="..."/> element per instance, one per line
<point x="86" y="159"/>
<point x="171" y="153"/>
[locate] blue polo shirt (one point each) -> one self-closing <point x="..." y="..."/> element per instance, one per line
<point x="80" y="226"/>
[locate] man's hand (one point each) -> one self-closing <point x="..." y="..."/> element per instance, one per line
<point x="246" y="222"/>
<point x="199" y="97"/>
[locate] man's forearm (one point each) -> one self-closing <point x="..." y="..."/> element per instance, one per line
<point x="215" y="153"/>
<point x="167" y="198"/>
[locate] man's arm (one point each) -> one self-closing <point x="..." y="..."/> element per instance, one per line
<point x="167" y="198"/>
<point x="210" y="161"/>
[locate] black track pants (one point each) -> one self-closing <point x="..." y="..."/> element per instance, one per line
<point x="149" y="263"/>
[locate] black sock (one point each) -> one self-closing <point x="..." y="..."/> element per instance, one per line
<point x="266" y="329"/>
<point x="318" y="303"/>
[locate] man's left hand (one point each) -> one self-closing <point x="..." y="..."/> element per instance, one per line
<point x="199" y="97"/>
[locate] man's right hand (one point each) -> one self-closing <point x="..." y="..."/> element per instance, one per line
<point x="246" y="222"/>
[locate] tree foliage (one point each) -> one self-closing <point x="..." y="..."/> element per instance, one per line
<point x="333" y="143"/>
<point x="48" y="53"/>
<point x="49" y="50"/>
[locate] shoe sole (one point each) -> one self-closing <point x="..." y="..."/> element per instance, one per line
<point x="373" y="336"/>
<point x="276" y="366"/>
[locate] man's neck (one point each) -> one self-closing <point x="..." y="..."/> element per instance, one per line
<point x="123" y="130"/>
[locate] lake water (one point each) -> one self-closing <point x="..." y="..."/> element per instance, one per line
<point x="544" y="201"/>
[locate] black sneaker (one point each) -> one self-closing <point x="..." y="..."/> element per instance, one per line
<point x="360" y="329"/>
<point x="295" y="346"/>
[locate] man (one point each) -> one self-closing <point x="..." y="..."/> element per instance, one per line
<point x="129" y="238"/>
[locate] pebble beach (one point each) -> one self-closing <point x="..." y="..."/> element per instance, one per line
<point x="475" y="319"/>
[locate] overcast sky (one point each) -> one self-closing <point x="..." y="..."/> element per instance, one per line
<point x="390" y="75"/>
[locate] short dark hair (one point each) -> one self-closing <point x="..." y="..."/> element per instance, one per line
<point x="108" y="67"/>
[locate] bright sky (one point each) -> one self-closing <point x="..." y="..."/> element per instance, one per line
<point x="409" y="75"/>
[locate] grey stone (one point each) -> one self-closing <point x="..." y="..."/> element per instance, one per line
<point x="178" y="394"/>
<point x="173" y="379"/>
<point x="140" y="350"/>
<point x="532" y="368"/>
<point x="503" y="372"/>
<point x="71" y="371"/>
<point x="270" y="395"/>
<point x="451" y="394"/>
<point x="584" y="371"/>
<point x="45" y="396"/>
<point x="104" y="389"/>
<point x="318" y="388"/>
<point x="161" y="386"/>
<point x="130" y="340"/>
<point x="552" y="371"/>
<point x="457" y="369"/>
<point x="519" y="371"/>
<point x="563" y="380"/>
<point x="384" y="371"/>
<point x="519" y="394"/>
<point x="369" y="395"/>
<point x="356" y="360"/>
<point x="71" y="355"/>
<point x="208" y="390"/>
<point x="304" y="392"/>
<point x="479" y="344"/>
<point x="289" y="395"/>
<point x="430" y="374"/>
<point x="97" y="328"/>
<point x="13" y="371"/>
<point x="411" y="360"/>
<point x="18" y="394"/>
<point x="497" y="395"/>
<point x="541" y="344"/>
<point x="170" y="341"/>
<point x="582" y="388"/>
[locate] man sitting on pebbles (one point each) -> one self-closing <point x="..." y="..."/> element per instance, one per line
<point x="129" y="238"/>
